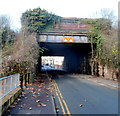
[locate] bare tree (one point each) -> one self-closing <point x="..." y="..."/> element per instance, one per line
<point x="109" y="14"/>
<point x="5" y="21"/>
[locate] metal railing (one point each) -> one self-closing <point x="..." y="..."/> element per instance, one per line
<point x="8" y="84"/>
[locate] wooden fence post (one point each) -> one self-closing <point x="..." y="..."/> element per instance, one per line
<point x="25" y="80"/>
<point x="28" y="78"/>
<point x="21" y="81"/>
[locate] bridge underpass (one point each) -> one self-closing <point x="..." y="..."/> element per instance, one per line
<point x="69" y="39"/>
<point x="76" y="55"/>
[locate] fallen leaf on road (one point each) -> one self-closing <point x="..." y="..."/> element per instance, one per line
<point x="42" y="104"/>
<point x="37" y="101"/>
<point x="48" y="88"/>
<point x="30" y="108"/>
<point x="39" y="89"/>
<point x="33" y="96"/>
<point x="81" y="105"/>
<point x="18" y="99"/>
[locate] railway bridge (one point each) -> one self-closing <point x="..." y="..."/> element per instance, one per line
<point x="68" y="39"/>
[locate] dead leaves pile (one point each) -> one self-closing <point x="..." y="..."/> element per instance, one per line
<point x="34" y="93"/>
<point x="81" y="105"/>
<point x="37" y="101"/>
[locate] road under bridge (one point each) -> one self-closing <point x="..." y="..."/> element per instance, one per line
<point x="68" y="39"/>
<point x="76" y="55"/>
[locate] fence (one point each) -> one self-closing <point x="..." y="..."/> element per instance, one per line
<point x="8" y="84"/>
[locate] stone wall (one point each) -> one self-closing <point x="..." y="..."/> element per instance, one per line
<point x="107" y="73"/>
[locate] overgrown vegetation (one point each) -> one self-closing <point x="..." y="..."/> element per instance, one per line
<point x="7" y="35"/>
<point x="20" y="51"/>
<point x="106" y="53"/>
<point x="20" y="57"/>
<point x="37" y="20"/>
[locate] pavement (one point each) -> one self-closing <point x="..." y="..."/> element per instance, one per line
<point x="99" y="80"/>
<point x="35" y="99"/>
<point x="38" y="97"/>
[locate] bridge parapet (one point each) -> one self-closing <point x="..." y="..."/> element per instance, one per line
<point x="77" y="38"/>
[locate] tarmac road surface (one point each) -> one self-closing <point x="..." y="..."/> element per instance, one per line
<point x="79" y="96"/>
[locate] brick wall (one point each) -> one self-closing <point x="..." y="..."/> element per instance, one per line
<point x="72" y="25"/>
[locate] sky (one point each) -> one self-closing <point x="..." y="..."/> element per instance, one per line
<point x="64" y="8"/>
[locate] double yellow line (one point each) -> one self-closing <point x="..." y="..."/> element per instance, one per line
<point x="63" y="104"/>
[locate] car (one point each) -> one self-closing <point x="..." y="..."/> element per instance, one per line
<point x="44" y="68"/>
<point x="49" y="68"/>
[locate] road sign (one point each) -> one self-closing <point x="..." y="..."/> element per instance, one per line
<point x="68" y="39"/>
